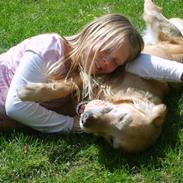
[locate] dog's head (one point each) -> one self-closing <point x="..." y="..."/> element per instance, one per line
<point x="131" y="126"/>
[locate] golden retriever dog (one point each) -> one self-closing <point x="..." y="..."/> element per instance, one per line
<point x="127" y="110"/>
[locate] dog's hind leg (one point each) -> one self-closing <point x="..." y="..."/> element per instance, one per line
<point x="157" y="23"/>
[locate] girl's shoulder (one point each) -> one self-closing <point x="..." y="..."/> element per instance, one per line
<point x="47" y="45"/>
<point x="47" y="40"/>
<point x="47" y="36"/>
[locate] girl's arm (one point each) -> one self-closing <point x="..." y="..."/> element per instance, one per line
<point x="153" y="67"/>
<point x="31" y="113"/>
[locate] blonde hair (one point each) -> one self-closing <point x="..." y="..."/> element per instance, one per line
<point x="107" y="32"/>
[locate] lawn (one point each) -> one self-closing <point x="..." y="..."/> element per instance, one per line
<point x="34" y="157"/>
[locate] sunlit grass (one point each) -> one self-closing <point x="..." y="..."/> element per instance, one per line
<point x="34" y="157"/>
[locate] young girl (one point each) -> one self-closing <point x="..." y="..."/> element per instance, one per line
<point x="106" y="43"/>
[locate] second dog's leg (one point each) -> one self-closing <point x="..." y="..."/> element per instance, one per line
<point x="157" y="22"/>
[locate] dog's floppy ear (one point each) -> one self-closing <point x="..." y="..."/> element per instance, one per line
<point x="158" y="115"/>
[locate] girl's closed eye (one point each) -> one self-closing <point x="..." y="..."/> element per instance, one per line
<point x="107" y="58"/>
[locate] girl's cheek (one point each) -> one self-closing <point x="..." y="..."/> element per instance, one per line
<point x="110" y="68"/>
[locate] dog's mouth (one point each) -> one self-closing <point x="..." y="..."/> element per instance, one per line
<point x="81" y="107"/>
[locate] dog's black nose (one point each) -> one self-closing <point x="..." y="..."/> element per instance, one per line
<point x="86" y="119"/>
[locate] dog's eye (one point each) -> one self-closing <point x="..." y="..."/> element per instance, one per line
<point x="122" y="116"/>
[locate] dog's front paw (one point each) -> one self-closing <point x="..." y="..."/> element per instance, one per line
<point x="31" y="92"/>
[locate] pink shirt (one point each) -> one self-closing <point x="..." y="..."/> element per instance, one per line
<point x="50" y="47"/>
<point x="25" y="63"/>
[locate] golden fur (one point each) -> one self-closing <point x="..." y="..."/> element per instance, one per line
<point x="130" y="112"/>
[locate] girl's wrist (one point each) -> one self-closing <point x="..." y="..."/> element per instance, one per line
<point x="76" y="126"/>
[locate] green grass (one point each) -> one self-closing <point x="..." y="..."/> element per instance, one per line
<point x="34" y="157"/>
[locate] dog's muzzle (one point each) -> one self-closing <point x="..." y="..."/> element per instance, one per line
<point x="86" y="119"/>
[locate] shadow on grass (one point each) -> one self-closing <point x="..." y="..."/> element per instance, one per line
<point x="65" y="148"/>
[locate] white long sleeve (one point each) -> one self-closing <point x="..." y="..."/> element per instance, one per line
<point x="31" y="69"/>
<point x="153" y="67"/>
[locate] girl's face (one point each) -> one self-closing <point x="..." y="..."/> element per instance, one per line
<point x="106" y="61"/>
